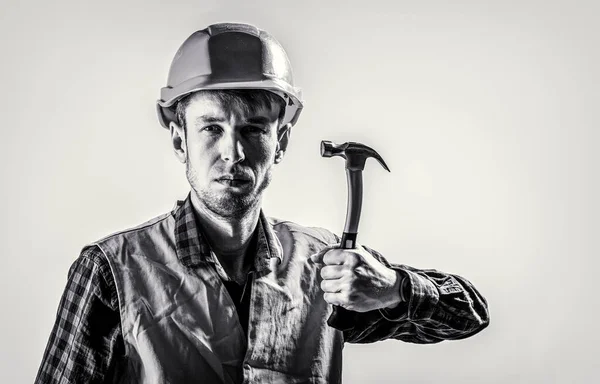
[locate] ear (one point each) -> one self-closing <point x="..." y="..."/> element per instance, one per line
<point x="178" y="141"/>
<point x="283" y="137"/>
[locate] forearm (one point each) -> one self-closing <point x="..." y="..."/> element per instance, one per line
<point x="437" y="306"/>
<point x="440" y="306"/>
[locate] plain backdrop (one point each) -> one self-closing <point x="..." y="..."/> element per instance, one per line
<point x="485" y="111"/>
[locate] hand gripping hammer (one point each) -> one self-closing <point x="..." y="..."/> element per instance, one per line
<point x="356" y="155"/>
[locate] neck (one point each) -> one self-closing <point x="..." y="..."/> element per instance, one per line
<point x="229" y="237"/>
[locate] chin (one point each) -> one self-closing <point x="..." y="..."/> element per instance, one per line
<point x="229" y="204"/>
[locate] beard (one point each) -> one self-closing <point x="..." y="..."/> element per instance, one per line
<point x="226" y="203"/>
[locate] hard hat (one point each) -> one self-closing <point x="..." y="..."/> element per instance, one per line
<point x="230" y="56"/>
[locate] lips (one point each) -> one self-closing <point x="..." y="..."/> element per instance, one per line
<point x="237" y="178"/>
<point x="234" y="180"/>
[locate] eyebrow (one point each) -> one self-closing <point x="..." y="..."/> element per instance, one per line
<point x="258" y="120"/>
<point x="210" y="119"/>
<point x="213" y="119"/>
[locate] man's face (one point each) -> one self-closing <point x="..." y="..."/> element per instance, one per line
<point x="229" y="152"/>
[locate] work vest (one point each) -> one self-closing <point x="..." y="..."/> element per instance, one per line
<point x="180" y="325"/>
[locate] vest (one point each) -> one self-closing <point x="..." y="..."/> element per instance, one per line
<point x="179" y="324"/>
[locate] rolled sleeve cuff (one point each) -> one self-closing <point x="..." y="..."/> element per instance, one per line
<point x="421" y="294"/>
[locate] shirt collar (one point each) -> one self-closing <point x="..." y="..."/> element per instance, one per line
<point x="193" y="250"/>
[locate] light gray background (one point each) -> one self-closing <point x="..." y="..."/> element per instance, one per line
<point x="486" y="113"/>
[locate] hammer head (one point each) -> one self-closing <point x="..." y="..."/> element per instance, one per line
<point x="356" y="154"/>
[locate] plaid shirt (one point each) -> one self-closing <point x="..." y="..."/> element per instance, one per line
<point x="86" y="344"/>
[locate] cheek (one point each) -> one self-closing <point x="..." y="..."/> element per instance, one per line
<point x="200" y="158"/>
<point x="268" y="150"/>
<point x="199" y="149"/>
<point x="263" y="150"/>
<point x="268" y="156"/>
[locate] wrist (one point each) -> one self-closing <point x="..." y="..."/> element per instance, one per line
<point x="404" y="295"/>
<point x="396" y="291"/>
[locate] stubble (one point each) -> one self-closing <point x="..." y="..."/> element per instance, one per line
<point x="225" y="203"/>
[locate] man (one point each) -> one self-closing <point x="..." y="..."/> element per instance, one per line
<point x="215" y="291"/>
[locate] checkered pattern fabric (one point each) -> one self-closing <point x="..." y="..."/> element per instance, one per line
<point x="86" y="344"/>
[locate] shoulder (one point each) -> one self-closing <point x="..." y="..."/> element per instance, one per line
<point x="95" y="261"/>
<point x="138" y="229"/>
<point x="294" y="229"/>
<point x="91" y="273"/>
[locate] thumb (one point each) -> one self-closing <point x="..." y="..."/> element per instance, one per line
<point x="317" y="258"/>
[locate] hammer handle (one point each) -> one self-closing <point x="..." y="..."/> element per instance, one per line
<point x="348" y="240"/>
<point x="341" y="318"/>
<point x="354" y="203"/>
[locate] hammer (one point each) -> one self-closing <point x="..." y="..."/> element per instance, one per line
<point x="356" y="155"/>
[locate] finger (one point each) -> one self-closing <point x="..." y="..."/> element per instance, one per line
<point x="330" y="286"/>
<point x="334" y="298"/>
<point x="341" y="256"/>
<point x="336" y="256"/>
<point x="330" y="272"/>
<point x="318" y="257"/>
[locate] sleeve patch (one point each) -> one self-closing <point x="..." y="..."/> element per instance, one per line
<point x="450" y="286"/>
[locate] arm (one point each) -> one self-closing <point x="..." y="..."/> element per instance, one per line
<point x="86" y="343"/>
<point x="437" y="306"/>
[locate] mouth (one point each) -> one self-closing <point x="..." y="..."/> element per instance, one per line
<point x="233" y="180"/>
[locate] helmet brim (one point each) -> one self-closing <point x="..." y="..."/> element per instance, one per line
<point x="170" y="95"/>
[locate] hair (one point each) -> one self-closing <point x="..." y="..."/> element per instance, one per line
<point x="248" y="100"/>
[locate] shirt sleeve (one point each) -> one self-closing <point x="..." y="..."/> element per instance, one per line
<point x="439" y="306"/>
<point x="86" y="344"/>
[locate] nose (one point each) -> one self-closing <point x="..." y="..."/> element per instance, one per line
<point x="232" y="149"/>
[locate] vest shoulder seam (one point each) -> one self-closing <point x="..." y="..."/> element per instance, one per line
<point x="154" y="221"/>
<point x="291" y="226"/>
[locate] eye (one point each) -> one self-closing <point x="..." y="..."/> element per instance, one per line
<point x="211" y="129"/>
<point x="254" y="129"/>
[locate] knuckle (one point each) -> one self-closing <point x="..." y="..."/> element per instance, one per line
<point x="330" y="298"/>
<point x="328" y="257"/>
<point x="352" y="259"/>
<point x="323" y="272"/>
<point x="345" y="296"/>
<point x="323" y="285"/>
<point x="351" y="278"/>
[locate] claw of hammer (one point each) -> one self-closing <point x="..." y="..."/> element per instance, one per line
<point x="355" y="154"/>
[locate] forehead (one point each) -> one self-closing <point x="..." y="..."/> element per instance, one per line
<point x="211" y="105"/>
